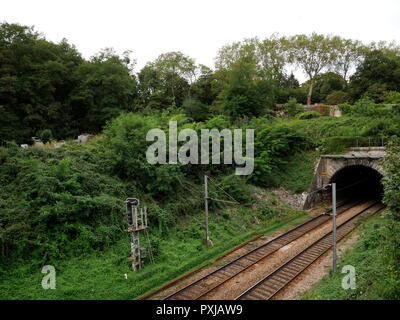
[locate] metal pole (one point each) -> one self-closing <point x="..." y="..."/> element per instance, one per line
<point x="206" y="207"/>
<point x="334" y="225"/>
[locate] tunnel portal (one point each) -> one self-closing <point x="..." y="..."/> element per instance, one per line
<point x="358" y="182"/>
<point x="357" y="173"/>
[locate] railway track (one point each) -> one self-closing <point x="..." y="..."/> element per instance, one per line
<point x="201" y="287"/>
<point x="285" y="274"/>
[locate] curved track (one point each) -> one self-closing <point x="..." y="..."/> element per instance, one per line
<point x="282" y="276"/>
<point x="199" y="288"/>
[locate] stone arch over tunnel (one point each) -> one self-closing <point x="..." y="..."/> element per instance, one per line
<point x="347" y="169"/>
<point x="358" y="181"/>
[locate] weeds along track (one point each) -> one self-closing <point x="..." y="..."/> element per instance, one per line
<point x="199" y="288"/>
<point x="285" y="274"/>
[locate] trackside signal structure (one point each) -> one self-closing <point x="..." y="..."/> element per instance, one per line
<point x="137" y="222"/>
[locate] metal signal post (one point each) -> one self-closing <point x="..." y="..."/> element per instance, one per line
<point x="137" y="221"/>
<point x="207" y="238"/>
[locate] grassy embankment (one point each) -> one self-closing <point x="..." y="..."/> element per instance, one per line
<point x="101" y="275"/>
<point x="61" y="207"/>
<point x="377" y="274"/>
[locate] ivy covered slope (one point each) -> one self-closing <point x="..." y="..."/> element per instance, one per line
<point x="376" y="254"/>
<point x="64" y="206"/>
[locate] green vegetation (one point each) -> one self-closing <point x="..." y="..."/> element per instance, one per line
<point x="376" y="254"/>
<point x="100" y="275"/>
<point x="377" y="269"/>
<point x="49" y="90"/>
<point x="63" y="205"/>
<point x="296" y="174"/>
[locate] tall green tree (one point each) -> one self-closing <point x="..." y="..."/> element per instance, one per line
<point x="273" y="56"/>
<point x="36" y="78"/>
<point x="175" y="69"/>
<point x="348" y="53"/>
<point x="105" y="88"/>
<point x="167" y="80"/>
<point x="312" y="54"/>
<point x="378" y="73"/>
<point x="245" y="93"/>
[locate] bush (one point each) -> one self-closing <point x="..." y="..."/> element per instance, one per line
<point x="337" y="97"/>
<point x="274" y="143"/>
<point x="345" y="108"/>
<point x="366" y="107"/>
<point x="45" y="135"/>
<point x="391" y="181"/>
<point x="125" y="148"/>
<point x="195" y="109"/>
<point x="56" y="203"/>
<point x="308" y="115"/>
<point x="292" y="107"/>
<point x="337" y="144"/>
<point x="392" y="97"/>
<point x="236" y="187"/>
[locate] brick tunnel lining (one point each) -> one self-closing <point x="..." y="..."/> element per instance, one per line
<point x="358" y="182"/>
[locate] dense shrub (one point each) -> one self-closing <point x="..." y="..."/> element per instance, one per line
<point x="292" y="107"/>
<point x="125" y="148"/>
<point x="337" y="144"/>
<point x="392" y="97"/>
<point x="337" y="97"/>
<point x="55" y="203"/>
<point x="45" y="135"/>
<point x="345" y="108"/>
<point x="236" y="187"/>
<point x="273" y="144"/>
<point x="308" y="115"/>
<point x="391" y="180"/>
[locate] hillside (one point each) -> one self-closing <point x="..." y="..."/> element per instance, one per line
<point x="64" y="206"/>
<point x="151" y="134"/>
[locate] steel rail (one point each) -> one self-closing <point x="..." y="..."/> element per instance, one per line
<point x="273" y="283"/>
<point x="200" y="287"/>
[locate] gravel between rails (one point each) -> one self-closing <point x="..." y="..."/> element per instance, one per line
<point x="239" y="283"/>
<point x="235" y="286"/>
<point x="320" y="268"/>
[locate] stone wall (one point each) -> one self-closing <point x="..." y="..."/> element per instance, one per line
<point x="329" y="165"/>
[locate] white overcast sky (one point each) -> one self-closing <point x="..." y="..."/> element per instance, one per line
<point x="198" y="28"/>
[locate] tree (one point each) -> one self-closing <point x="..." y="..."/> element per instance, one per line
<point x="152" y="93"/>
<point x="106" y="88"/>
<point x="202" y="89"/>
<point x="229" y="54"/>
<point x="378" y="73"/>
<point x="195" y="109"/>
<point x="269" y="55"/>
<point x="325" y="84"/>
<point x="36" y="78"/>
<point x="348" y="53"/>
<point x="290" y="82"/>
<point x="245" y="93"/>
<point x="312" y="54"/>
<point x="175" y="69"/>
<point x="273" y="56"/>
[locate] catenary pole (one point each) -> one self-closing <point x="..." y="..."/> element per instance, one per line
<point x="206" y="208"/>
<point x="334" y="225"/>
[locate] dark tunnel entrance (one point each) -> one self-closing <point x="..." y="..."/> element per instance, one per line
<point x="358" y="182"/>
